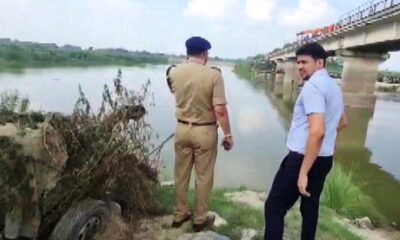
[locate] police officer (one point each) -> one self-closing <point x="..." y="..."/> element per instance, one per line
<point x="200" y="105"/>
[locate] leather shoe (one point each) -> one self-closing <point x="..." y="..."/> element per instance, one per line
<point x="208" y="223"/>
<point x="178" y="224"/>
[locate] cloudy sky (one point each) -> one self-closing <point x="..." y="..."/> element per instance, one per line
<point x="236" y="28"/>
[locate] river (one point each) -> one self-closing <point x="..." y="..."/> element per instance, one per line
<point x="259" y="119"/>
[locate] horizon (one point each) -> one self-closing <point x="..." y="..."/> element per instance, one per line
<point x="237" y="29"/>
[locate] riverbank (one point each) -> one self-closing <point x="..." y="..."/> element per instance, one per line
<point x="18" y="55"/>
<point x="241" y="211"/>
<point x="387" y="87"/>
<point x="240" y="215"/>
<point x="341" y="199"/>
<point x="244" y="70"/>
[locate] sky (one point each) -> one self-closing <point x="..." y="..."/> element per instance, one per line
<point x="235" y="28"/>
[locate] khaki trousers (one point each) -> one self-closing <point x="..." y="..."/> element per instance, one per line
<point x="194" y="146"/>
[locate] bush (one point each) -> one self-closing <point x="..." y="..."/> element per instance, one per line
<point x="340" y="192"/>
<point x="343" y="193"/>
<point x="109" y="153"/>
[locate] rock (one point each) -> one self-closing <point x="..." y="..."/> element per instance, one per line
<point x="251" y="198"/>
<point x="364" y="222"/>
<point x="248" y="234"/>
<point x="346" y="220"/>
<point x="159" y="228"/>
<point x="115" y="208"/>
<point x="219" y="221"/>
<point x="167" y="184"/>
<point x="262" y="196"/>
<point x="203" y="236"/>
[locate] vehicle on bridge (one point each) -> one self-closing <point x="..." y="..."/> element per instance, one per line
<point x="316" y="32"/>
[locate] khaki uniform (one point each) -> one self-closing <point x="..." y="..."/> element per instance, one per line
<point x="197" y="89"/>
<point x="40" y="158"/>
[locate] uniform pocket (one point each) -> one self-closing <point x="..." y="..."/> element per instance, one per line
<point x="182" y="134"/>
<point x="205" y="137"/>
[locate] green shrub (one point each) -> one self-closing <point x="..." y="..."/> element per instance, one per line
<point x="341" y="193"/>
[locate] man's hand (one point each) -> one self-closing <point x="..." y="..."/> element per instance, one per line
<point x="302" y="183"/>
<point x="227" y="143"/>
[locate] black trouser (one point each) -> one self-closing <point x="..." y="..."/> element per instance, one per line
<point x="284" y="193"/>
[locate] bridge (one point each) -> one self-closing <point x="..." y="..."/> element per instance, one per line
<point x="362" y="38"/>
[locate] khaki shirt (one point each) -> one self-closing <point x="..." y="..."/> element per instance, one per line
<point x="197" y="89"/>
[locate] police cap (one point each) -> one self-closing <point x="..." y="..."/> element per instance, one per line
<point x="196" y="45"/>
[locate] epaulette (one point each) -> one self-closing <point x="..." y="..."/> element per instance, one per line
<point x="168" y="77"/>
<point x="219" y="70"/>
<point x="169" y="69"/>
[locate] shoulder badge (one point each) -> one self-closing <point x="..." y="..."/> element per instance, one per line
<point x="169" y="69"/>
<point x="215" y="68"/>
<point x="168" y="77"/>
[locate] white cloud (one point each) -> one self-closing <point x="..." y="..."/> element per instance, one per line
<point x="260" y="9"/>
<point x="90" y="22"/>
<point x="308" y="12"/>
<point x="209" y="9"/>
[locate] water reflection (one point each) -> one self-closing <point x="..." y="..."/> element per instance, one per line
<point x="278" y="85"/>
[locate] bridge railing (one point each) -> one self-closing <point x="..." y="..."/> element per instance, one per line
<point x="369" y="11"/>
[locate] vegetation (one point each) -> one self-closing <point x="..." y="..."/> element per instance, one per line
<point x="243" y="69"/>
<point x="240" y="216"/>
<point x="343" y="194"/>
<point x="334" y="66"/>
<point x="340" y="192"/>
<point x="109" y="153"/>
<point x="16" y="55"/>
<point x="329" y="227"/>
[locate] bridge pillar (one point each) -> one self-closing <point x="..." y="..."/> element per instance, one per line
<point x="278" y="85"/>
<point x="291" y="80"/>
<point x="280" y="66"/>
<point x="360" y="72"/>
<point x="279" y="75"/>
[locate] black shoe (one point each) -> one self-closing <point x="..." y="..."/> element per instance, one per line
<point x="25" y="238"/>
<point x="2" y="237"/>
<point x="178" y="224"/>
<point x="208" y="223"/>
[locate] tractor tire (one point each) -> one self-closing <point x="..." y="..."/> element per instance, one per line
<point x="82" y="221"/>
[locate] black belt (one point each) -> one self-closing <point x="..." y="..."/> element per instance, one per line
<point x="302" y="155"/>
<point x="197" y="124"/>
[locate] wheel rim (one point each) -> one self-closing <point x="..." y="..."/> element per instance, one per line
<point x="89" y="229"/>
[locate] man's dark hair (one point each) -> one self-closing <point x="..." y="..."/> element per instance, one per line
<point x="314" y="50"/>
<point x="194" y="52"/>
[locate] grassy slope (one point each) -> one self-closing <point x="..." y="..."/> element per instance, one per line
<point x="240" y="216"/>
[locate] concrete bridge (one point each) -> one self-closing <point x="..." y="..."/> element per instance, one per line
<point x="363" y="38"/>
